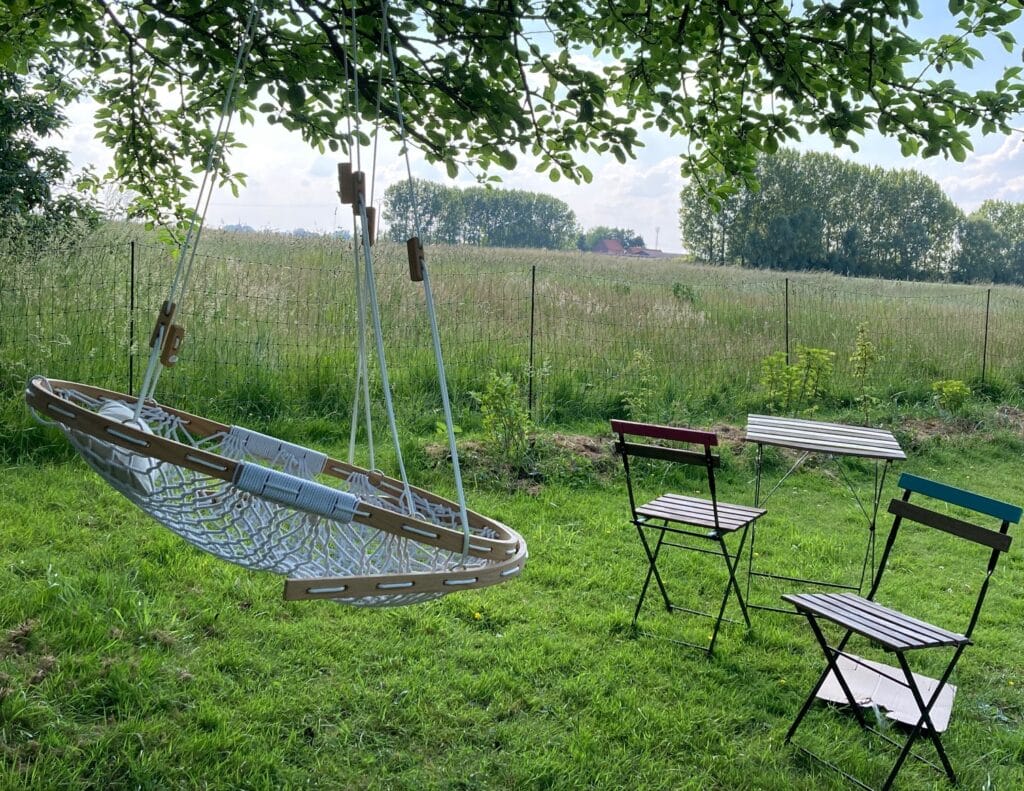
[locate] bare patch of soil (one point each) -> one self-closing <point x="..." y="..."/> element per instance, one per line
<point x="921" y="430"/>
<point x="1010" y="417"/>
<point x="16" y="640"/>
<point x="730" y="437"/>
<point x="596" y="450"/>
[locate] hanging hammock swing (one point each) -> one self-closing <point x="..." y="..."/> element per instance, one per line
<point x="335" y="530"/>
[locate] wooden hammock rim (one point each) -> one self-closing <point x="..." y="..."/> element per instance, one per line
<point x="506" y="549"/>
<point x="360" y="587"/>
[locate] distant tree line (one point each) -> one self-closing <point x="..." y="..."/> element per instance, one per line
<point x="991" y="244"/>
<point x="817" y="211"/>
<point x="478" y="216"/>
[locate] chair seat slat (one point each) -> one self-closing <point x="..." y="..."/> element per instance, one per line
<point x="698" y="512"/>
<point x="888" y="627"/>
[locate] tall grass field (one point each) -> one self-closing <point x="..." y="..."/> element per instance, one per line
<point x="131" y="660"/>
<point x="272" y="331"/>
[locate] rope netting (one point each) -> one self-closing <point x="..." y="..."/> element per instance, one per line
<point x="254" y="521"/>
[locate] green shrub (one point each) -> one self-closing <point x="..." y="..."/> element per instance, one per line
<point x="638" y="395"/>
<point x="506" y="421"/>
<point x="684" y="292"/>
<point x="951" y="395"/>
<point x="864" y="358"/>
<point x="797" y="387"/>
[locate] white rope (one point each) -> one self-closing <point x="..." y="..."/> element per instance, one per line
<point x="428" y="294"/>
<point x="187" y="252"/>
<point x="362" y="384"/>
<point x="369" y="288"/>
<point x="362" y="387"/>
<point x="378" y="333"/>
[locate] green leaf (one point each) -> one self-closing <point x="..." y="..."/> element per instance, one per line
<point x="295" y="95"/>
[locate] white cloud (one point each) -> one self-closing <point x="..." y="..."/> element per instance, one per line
<point x="997" y="174"/>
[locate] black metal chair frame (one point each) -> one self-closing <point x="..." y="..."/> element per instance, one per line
<point x="897" y="633"/>
<point x="671" y="516"/>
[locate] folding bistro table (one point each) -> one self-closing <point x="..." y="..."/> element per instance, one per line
<point x="834" y="441"/>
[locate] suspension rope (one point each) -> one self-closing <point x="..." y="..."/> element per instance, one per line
<point x="370" y="282"/>
<point x="362" y="385"/>
<point x="187" y="251"/>
<point x="428" y="292"/>
<point x="378" y="333"/>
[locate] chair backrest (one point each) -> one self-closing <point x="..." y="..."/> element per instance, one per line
<point x="998" y="541"/>
<point x="641" y="440"/>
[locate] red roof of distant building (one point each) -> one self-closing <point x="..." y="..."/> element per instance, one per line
<point x="613" y="246"/>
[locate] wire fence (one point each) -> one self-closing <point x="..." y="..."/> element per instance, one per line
<point x="274" y="334"/>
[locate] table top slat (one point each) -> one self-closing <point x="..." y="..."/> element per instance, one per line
<point x="821" y="437"/>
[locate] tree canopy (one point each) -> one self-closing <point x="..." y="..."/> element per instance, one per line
<point x="991" y="244"/>
<point x="481" y="82"/>
<point x="627" y="237"/>
<point x="29" y="171"/>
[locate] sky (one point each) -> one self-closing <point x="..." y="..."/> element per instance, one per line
<point x="291" y="185"/>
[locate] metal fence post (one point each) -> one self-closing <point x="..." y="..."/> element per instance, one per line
<point x="984" y="348"/>
<point x="131" y="318"/>
<point x="786" y="310"/>
<point x="533" y="304"/>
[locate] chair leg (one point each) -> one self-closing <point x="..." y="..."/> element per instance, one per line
<point x="830" y="667"/>
<point x="652" y="571"/>
<point x="924" y="720"/>
<point x="731" y="586"/>
<point x="732" y="575"/>
<point x="924" y="724"/>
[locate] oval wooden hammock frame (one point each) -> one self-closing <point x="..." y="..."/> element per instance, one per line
<point x="502" y="550"/>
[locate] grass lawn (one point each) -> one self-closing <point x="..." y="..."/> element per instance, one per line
<point x="128" y="659"/>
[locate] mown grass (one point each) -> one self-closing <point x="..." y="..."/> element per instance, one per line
<point x="131" y="660"/>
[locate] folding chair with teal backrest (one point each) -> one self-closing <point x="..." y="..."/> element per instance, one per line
<point x="670" y="516"/>
<point x="923" y="705"/>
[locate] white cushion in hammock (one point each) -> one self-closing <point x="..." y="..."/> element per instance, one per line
<point x="139" y="473"/>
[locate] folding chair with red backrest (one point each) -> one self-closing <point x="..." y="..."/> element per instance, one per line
<point x="670" y="517"/>
<point x="921" y="704"/>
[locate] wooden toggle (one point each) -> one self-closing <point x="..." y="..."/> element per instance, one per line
<point x="415" y="250"/>
<point x="172" y="343"/>
<point x="358" y="190"/>
<point x="371" y="224"/>
<point x="351" y="185"/>
<point x="345" y="182"/>
<point x="163" y="321"/>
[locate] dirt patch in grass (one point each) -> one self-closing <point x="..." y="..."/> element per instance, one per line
<point x="46" y="665"/>
<point x="551" y="457"/>
<point x="916" y="432"/>
<point x="1010" y="417"/>
<point x="595" y="450"/>
<point x="15" y="641"/>
<point x="730" y="437"/>
<point x="922" y="430"/>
